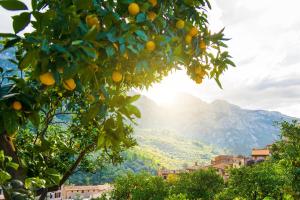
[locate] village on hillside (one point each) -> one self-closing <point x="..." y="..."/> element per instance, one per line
<point x="221" y="163"/>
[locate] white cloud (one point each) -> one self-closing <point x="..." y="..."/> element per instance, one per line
<point x="266" y="48"/>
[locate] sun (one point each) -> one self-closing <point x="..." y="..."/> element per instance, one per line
<point x="167" y="90"/>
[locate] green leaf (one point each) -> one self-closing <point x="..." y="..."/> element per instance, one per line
<point x="36" y="182"/>
<point x="133" y="98"/>
<point x="141" y="17"/>
<point x="133" y="110"/>
<point x="142" y="35"/>
<point x="10" y="43"/>
<point x="4" y="176"/>
<point x="13" y="5"/>
<point x="35" y="119"/>
<point x="53" y="175"/>
<point x="8" y="35"/>
<point x="21" y="21"/>
<point x="2" y="157"/>
<point x="219" y="83"/>
<point x="29" y="60"/>
<point x="12" y="165"/>
<point x="110" y="51"/>
<point x="91" y="52"/>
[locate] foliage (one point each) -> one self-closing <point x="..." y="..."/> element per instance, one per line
<point x="177" y="197"/>
<point x="79" y="61"/>
<point x="133" y="161"/>
<point x="6" y="164"/>
<point x="140" y="186"/>
<point x="261" y="180"/>
<point x="203" y="184"/>
<point x="286" y="153"/>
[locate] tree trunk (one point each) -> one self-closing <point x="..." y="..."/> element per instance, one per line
<point x="6" y="144"/>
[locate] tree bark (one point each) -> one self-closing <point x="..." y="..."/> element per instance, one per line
<point x="7" y="145"/>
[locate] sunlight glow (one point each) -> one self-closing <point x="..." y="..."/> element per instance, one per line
<point x="166" y="92"/>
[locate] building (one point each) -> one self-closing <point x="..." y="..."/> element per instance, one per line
<point x="82" y="192"/>
<point x="224" y="162"/>
<point x="195" y="167"/>
<point x="260" y="154"/>
<point x="165" y="173"/>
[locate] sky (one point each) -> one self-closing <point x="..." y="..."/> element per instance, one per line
<point x="265" y="45"/>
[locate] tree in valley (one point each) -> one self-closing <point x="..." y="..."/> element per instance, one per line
<point x="140" y="186"/>
<point x="201" y="184"/>
<point x="66" y="94"/>
<point x="259" y="181"/>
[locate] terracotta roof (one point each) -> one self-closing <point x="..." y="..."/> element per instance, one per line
<point x="260" y="152"/>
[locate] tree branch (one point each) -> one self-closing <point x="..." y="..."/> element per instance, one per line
<point x="43" y="191"/>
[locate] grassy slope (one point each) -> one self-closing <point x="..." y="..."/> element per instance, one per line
<point x="171" y="150"/>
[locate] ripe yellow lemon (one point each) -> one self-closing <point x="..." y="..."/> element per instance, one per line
<point x="202" y="45"/>
<point x="47" y="78"/>
<point x="92" y="20"/>
<point x="153" y="2"/>
<point x="188" y="39"/>
<point x="199" y="71"/>
<point x="150" y="46"/>
<point x="69" y="84"/>
<point x="133" y="9"/>
<point x="193" y="32"/>
<point x="17" y="105"/>
<point x="180" y="24"/>
<point x="199" y="79"/>
<point x="151" y="16"/>
<point x="117" y="76"/>
<point x="60" y="70"/>
<point x="90" y="98"/>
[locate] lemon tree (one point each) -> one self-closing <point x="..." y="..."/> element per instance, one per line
<point x="79" y="61"/>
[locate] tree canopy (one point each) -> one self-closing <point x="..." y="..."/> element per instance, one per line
<point x="66" y="94"/>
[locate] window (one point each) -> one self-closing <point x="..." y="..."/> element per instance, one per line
<point x="57" y="194"/>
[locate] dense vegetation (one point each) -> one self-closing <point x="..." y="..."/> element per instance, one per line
<point x="133" y="162"/>
<point x="203" y="184"/>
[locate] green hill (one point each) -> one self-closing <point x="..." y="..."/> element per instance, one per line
<point x="173" y="151"/>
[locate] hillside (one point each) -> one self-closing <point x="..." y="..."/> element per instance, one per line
<point x="173" y="151"/>
<point x="219" y="124"/>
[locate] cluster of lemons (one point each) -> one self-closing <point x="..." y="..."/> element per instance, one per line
<point x="150" y="46"/>
<point x="48" y="80"/>
<point x="133" y="9"/>
<point x="200" y="73"/>
<point x="193" y="32"/>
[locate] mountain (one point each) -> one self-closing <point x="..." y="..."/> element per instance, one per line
<point x="219" y="124"/>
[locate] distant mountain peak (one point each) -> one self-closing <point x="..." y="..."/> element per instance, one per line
<point x="219" y="123"/>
